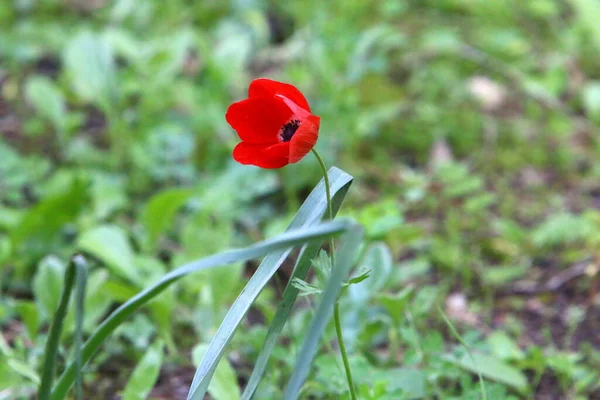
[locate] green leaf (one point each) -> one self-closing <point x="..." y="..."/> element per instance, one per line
<point x="90" y="66"/>
<point x="562" y="229"/>
<point x="52" y="343"/>
<point x="81" y="282"/>
<point x="47" y="99"/>
<point x="47" y="284"/>
<point x="29" y="315"/>
<point x="223" y="385"/>
<point x="9" y="217"/>
<point x="492" y="368"/>
<point x="38" y="232"/>
<point x="322" y="267"/>
<point x="145" y="374"/>
<point x="502" y="275"/>
<point x="160" y="210"/>
<point x="411" y="382"/>
<point x="588" y="12"/>
<point x="504" y="347"/>
<point x="378" y="260"/>
<point x="118" y="316"/>
<point x="360" y="276"/>
<point x="23" y="369"/>
<point x="591" y="99"/>
<point x="108" y="194"/>
<point x="110" y="244"/>
<point x="305" y="288"/>
<point x="97" y="300"/>
<point x="308" y="215"/>
<point x="396" y="303"/>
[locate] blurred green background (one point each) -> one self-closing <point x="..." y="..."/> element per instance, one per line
<point x="471" y="127"/>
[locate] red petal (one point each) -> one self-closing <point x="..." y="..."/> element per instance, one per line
<point x="273" y="156"/>
<point x="263" y="87"/>
<point x="305" y="138"/>
<point x="258" y="120"/>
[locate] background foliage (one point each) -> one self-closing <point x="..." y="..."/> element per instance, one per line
<point x="471" y="128"/>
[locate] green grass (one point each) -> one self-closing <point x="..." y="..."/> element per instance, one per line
<point x="471" y="128"/>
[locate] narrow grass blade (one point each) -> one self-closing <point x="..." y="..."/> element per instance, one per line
<point x="309" y="214"/>
<point x="345" y="257"/>
<point x="52" y="344"/>
<point x="290" y="294"/>
<point x="283" y="241"/>
<point x="81" y="279"/>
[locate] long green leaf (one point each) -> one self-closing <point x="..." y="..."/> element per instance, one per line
<point x="309" y="214"/>
<point x="345" y="257"/>
<point x="290" y="294"/>
<point x="81" y="279"/>
<point x="52" y="344"/>
<point x="285" y="240"/>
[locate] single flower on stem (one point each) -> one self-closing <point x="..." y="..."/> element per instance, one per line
<point x="277" y="128"/>
<point x="274" y="123"/>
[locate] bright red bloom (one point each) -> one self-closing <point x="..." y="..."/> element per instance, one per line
<point x="274" y="123"/>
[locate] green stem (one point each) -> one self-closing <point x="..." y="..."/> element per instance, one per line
<point x="53" y="338"/>
<point x="336" y="308"/>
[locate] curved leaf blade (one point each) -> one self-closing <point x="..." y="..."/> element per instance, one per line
<point x="283" y="241"/>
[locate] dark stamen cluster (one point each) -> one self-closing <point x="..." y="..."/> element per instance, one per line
<point x="288" y="130"/>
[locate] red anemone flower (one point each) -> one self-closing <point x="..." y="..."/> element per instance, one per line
<point x="274" y="123"/>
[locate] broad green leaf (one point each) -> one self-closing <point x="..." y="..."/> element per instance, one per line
<point x="504" y="347"/>
<point x="110" y="244"/>
<point x="588" y="12"/>
<point x="492" y="368"/>
<point x="309" y="214"/>
<point x="9" y="217"/>
<point x="117" y="317"/>
<point x="396" y="303"/>
<point x="380" y="218"/>
<point x="591" y="99"/>
<point x="160" y="211"/>
<point x="47" y="284"/>
<point x="39" y="231"/>
<point x="562" y="228"/>
<point x="90" y="66"/>
<point x="108" y="193"/>
<point x="502" y="275"/>
<point x="47" y="99"/>
<point x="145" y="374"/>
<point x="97" y="300"/>
<point x="224" y="385"/>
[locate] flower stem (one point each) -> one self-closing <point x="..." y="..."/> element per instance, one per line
<point x="336" y="308"/>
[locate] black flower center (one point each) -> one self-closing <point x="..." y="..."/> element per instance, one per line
<point x="288" y="130"/>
